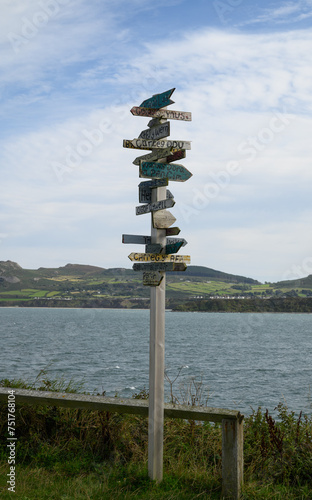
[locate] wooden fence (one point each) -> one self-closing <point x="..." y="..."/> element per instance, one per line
<point x="232" y="423"/>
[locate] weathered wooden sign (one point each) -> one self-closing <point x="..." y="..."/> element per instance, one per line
<point x="158" y="132"/>
<point x="158" y="101"/>
<point x="145" y="195"/>
<point x="176" y="155"/>
<point x="170" y="171"/>
<point x="173" y="247"/>
<point x="136" y="239"/>
<point x="160" y="266"/>
<point x="159" y="257"/>
<point x="155" y="183"/>
<point x="155" y="144"/>
<point x="155" y="155"/>
<point x="162" y="219"/>
<point x="171" y="241"/>
<point x="162" y="113"/>
<point x="172" y="231"/>
<point x="152" y="278"/>
<point x="153" y="207"/>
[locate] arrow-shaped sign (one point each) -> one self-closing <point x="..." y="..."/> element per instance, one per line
<point x="159" y="257"/>
<point x="152" y="278"/>
<point x="162" y="219"/>
<point x="155" y="144"/>
<point x="173" y="248"/>
<point x="159" y="100"/>
<point x="160" y="266"/>
<point x="158" y="132"/>
<point x="155" y="183"/>
<point x="146" y="240"/>
<point x="162" y="113"/>
<point x="172" y="241"/>
<point x="153" y="207"/>
<point x="172" y="231"/>
<point x="171" y="171"/>
<point x="145" y="195"/>
<point x="155" y="155"/>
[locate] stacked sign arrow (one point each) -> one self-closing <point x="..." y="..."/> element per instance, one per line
<point x="160" y="167"/>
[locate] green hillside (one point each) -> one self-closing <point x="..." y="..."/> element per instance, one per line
<point x="76" y="285"/>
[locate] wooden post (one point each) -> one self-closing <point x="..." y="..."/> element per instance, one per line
<point x="232" y="458"/>
<point x="157" y="361"/>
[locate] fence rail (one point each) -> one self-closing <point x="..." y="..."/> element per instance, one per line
<point x="232" y="423"/>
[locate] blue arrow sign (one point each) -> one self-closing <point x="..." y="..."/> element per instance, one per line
<point x="158" y="100"/>
<point x="171" y="171"/>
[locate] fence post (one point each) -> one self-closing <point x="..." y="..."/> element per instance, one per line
<point x="232" y="458"/>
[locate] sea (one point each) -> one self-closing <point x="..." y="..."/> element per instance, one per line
<point x="224" y="360"/>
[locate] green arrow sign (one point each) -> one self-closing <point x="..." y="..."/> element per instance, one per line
<point x="160" y="266"/>
<point x="171" y="171"/>
<point x="158" y="100"/>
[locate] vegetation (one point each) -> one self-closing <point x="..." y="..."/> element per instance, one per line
<point x="82" y="454"/>
<point x="196" y="289"/>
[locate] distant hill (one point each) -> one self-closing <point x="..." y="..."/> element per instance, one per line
<point x="206" y="272"/>
<point x="12" y="271"/>
<point x="298" y="283"/>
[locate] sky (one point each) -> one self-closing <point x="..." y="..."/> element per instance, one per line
<point x="71" y="70"/>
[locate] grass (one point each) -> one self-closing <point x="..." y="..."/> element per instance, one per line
<point x="71" y="454"/>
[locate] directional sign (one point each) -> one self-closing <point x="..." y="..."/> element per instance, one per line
<point x="172" y="231"/>
<point x="146" y="240"/>
<point x="173" y="248"/>
<point x="155" y="144"/>
<point x="152" y="278"/>
<point x="172" y="241"/>
<point x="160" y="266"/>
<point x="158" y="132"/>
<point x="145" y="195"/>
<point x="159" y="153"/>
<point x="155" y="121"/>
<point x="177" y="155"/>
<point x="136" y="239"/>
<point x="162" y="113"/>
<point x="153" y="207"/>
<point x="171" y="171"/>
<point x="155" y="183"/>
<point x="159" y="257"/>
<point x="159" y="100"/>
<point x="162" y="219"/>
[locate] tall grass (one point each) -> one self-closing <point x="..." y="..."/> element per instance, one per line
<point x="72" y="453"/>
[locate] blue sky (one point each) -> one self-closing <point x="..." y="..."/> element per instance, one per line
<point x="70" y="71"/>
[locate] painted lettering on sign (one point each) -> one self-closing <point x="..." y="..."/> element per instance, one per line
<point x="162" y="113"/>
<point x="157" y="132"/>
<point x="145" y="195"/>
<point x="154" y="207"/>
<point x="159" y="257"/>
<point x="155" y="144"/>
<point x="159" y="100"/>
<point x="160" y="266"/>
<point x="155" y="155"/>
<point x="152" y="278"/>
<point x="171" y="171"/>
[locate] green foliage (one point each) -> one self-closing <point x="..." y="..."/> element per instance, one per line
<point x="71" y="453"/>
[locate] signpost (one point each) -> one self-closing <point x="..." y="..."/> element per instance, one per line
<point x="161" y="249"/>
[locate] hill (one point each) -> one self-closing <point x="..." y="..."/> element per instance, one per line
<point x="77" y="285"/>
